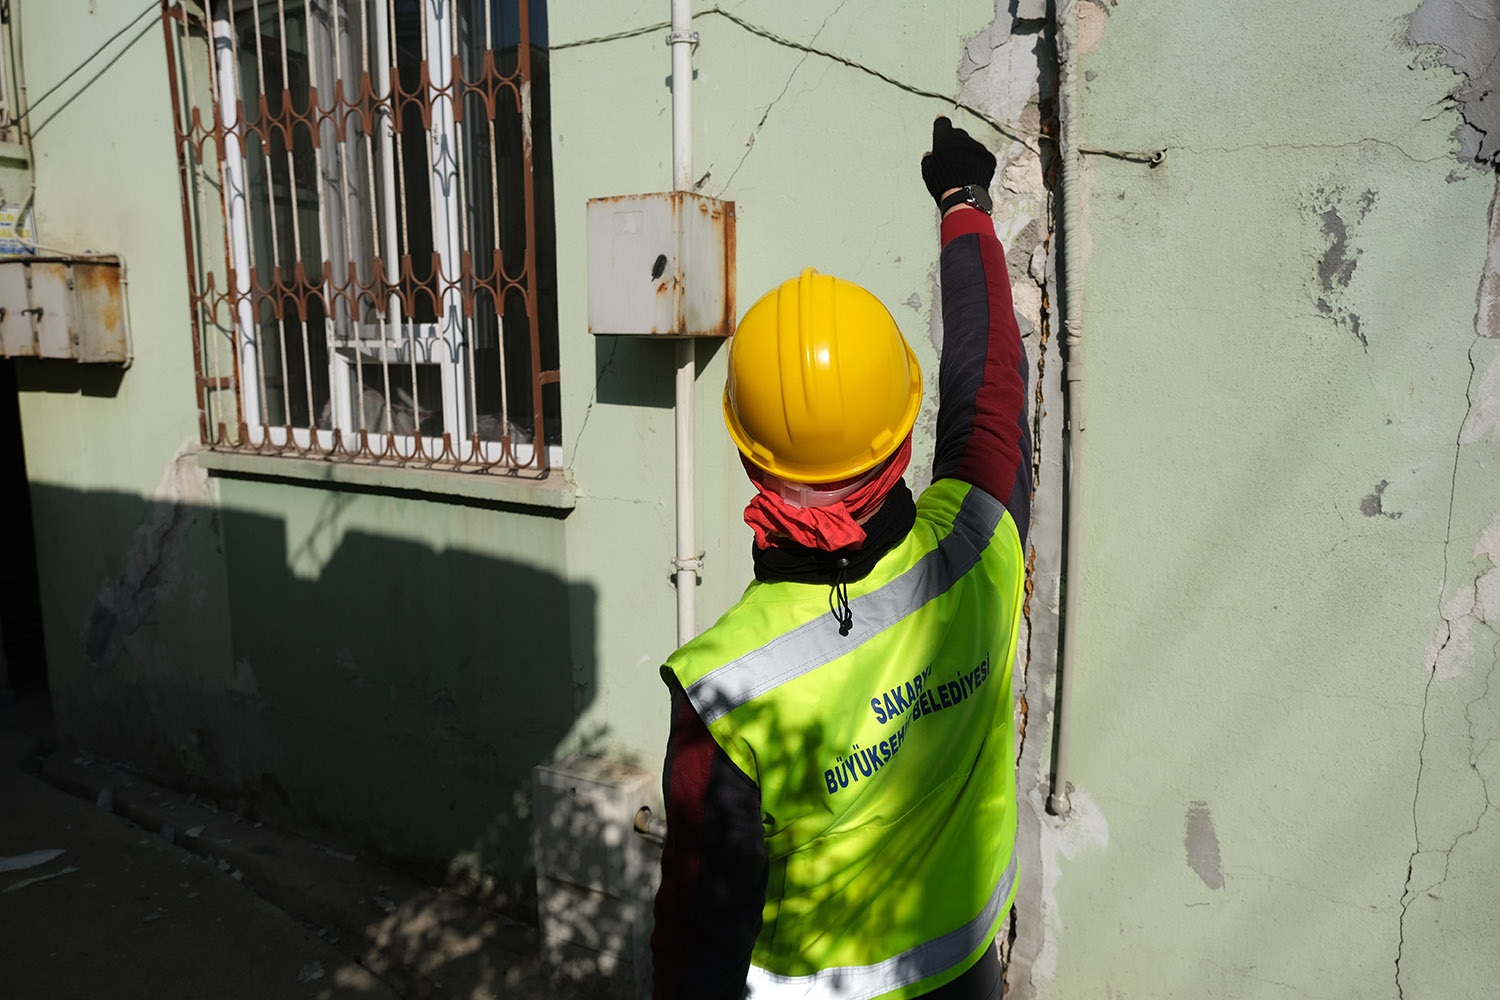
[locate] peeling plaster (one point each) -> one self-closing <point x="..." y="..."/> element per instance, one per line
<point x="1374" y="504"/>
<point x="999" y="71"/>
<point x="1468" y="33"/>
<point x="1473" y="607"/>
<point x="150" y="572"/>
<point x="1008" y="72"/>
<point x="1030" y="10"/>
<point x="1483" y="420"/>
<point x="1339" y="214"/>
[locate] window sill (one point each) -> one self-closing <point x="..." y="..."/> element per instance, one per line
<point x="555" y="494"/>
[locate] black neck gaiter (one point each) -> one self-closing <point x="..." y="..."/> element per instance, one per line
<point x="801" y="564"/>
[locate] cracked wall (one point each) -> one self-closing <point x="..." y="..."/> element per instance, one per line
<point x="1467" y="37"/>
<point x="1284" y="718"/>
<point x="1008" y="71"/>
<point x="1447" y="911"/>
<point x="177" y="626"/>
<point x="151" y="567"/>
<point x="812" y="118"/>
<point x="384" y="665"/>
<point x="1285" y="731"/>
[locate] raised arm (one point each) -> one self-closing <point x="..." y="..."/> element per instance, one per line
<point x="983" y="433"/>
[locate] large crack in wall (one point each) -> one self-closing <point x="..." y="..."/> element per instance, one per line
<point x="1459" y="724"/>
<point x="1008" y="71"/>
<point x="150" y="571"/>
<point x="187" y="722"/>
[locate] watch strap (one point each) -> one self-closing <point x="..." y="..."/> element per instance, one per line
<point x="963" y="196"/>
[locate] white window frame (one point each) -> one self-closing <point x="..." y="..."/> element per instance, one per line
<point x="10" y="126"/>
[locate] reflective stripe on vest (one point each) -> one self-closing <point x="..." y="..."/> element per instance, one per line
<point x="862" y="982"/>
<point x="812" y="644"/>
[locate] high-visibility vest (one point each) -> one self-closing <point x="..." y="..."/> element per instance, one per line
<point x="885" y="758"/>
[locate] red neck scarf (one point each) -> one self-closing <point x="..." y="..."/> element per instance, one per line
<point x="775" y="521"/>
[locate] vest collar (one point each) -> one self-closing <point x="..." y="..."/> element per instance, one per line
<point x="801" y="564"/>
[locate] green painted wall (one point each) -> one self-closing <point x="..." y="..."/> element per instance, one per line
<point x="392" y="664"/>
<point x="821" y="161"/>
<point x="1289" y="539"/>
<point x="1283" y="720"/>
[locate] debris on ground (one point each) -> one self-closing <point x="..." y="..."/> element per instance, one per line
<point x="14" y="886"/>
<point x="31" y="859"/>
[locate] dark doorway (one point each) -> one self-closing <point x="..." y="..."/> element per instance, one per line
<point x="24" y="663"/>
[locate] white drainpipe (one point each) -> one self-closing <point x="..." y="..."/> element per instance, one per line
<point x="1072" y="301"/>
<point x="687" y="563"/>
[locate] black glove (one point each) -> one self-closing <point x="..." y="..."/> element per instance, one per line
<point x="956" y="159"/>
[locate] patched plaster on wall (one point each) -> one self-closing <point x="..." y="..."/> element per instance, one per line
<point x="1473" y="607"/>
<point x="1085" y="830"/>
<point x="1091" y="18"/>
<point x="1487" y="308"/>
<point x="1201" y="842"/>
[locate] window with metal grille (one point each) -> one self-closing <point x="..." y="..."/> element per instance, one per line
<point x="9" y="132"/>
<point x="367" y="202"/>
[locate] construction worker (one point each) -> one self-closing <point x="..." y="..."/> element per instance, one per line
<point x="840" y="777"/>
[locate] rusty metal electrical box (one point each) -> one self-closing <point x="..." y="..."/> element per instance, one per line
<point x="64" y="307"/>
<point x="661" y="265"/>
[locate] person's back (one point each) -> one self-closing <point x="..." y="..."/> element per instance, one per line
<point x="841" y="776"/>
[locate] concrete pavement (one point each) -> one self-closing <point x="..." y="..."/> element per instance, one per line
<point x="156" y="895"/>
<point x="119" y="912"/>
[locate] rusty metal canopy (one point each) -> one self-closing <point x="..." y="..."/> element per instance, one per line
<point x="66" y="308"/>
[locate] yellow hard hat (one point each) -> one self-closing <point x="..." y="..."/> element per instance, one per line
<point x="822" y="386"/>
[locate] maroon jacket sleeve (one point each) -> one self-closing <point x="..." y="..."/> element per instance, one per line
<point x="713" y="868"/>
<point x="983" y="434"/>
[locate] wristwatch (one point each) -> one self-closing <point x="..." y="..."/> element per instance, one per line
<point x="970" y="194"/>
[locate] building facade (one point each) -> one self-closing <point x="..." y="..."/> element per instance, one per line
<point x="349" y="226"/>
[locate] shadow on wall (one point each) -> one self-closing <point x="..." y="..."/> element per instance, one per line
<point x="640" y="371"/>
<point x="395" y="702"/>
